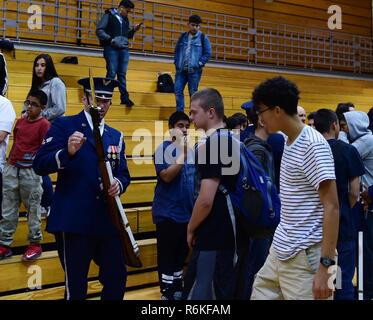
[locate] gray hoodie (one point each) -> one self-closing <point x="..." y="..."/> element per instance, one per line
<point x="362" y="139"/>
<point x="263" y="152"/>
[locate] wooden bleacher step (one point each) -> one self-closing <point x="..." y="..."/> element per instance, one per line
<point x="15" y="274"/>
<point x="94" y="288"/>
<point x="140" y="220"/>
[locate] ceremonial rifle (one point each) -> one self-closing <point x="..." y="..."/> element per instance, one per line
<point x="115" y="208"/>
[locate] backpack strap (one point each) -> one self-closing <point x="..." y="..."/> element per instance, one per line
<point x="203" y="42"/>
<point x="233" y="220"/>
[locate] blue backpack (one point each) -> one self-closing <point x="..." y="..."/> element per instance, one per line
<point x="255" y="201"/>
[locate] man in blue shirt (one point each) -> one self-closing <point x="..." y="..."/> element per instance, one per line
<point x="113" y="31"/>
<point x="348" y="170"/>
<point x="173" y="205"/>
<point x="193" y="50"/>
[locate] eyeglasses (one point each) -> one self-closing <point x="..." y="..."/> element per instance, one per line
<point x="32" y="104"/>
<point x="258" y="113"/>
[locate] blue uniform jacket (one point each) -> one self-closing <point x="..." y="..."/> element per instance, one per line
<point x="78" y="205"/>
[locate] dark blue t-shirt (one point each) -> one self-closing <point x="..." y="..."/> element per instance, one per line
<point x="277" y="143"/>
<point x="348" y="165"/>
<point x="370" y="191"/>
<point x="174" y="200"/>
<point x="250" y="129"/>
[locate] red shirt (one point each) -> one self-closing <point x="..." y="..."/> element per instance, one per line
<point x="28" y="137"/>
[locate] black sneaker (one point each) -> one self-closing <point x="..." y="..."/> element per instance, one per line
<point x="128" y="103"/>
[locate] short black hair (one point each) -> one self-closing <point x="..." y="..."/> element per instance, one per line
<point x="324" y="118"/>
<point x="40" y="95"/>
<point x="343" y="107"/>
<point x="225" y="120"/>
<point x="210" y="98"/>
<point x="195" y="19"/>
<point x="279" y="92"/>
<point x="253" y="117"/>
<point x="311" y="116"/>
<point x="236" y="119"/>
<point x="176" y="117"/>
<point x="370" y="115"/>
<point x="127" y="4"/>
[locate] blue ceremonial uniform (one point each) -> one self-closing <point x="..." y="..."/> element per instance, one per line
<point x="78" y="216"/>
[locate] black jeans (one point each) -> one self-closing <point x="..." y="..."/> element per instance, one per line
<point x="172" y="248"/>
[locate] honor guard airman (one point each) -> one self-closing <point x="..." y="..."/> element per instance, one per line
<point x="79" y="216"/>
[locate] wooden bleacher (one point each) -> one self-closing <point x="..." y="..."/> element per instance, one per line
<point x="236" y="86"/>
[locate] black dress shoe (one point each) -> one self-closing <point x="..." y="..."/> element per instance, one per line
<point x="128" y="103"/>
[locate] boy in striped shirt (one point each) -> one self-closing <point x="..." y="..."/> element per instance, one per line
<point x="303" y="248"/>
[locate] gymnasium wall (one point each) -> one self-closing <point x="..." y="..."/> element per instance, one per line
<point x="357" y="14"/>
<point x="231" y="37"/>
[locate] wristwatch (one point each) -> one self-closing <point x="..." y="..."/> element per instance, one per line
<point x="327" y="262"/>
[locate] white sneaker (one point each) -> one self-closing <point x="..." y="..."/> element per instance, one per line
<point x="45" y="211"/>
<point x="178" y="295"/>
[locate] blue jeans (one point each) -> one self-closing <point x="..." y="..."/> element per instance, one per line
<point x="368" y="255"/>
<point x="252" y="258"/>
<point x="181" y="79"/>
<point x="117" y="64"/>
<point x="346" y="261"/>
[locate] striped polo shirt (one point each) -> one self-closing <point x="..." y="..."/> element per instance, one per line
<point x="305" y="164"/>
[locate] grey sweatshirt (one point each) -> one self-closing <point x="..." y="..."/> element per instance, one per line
<point x="362" y="139"/>
<point x="55" y="89"/>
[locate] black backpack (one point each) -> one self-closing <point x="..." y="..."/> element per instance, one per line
<point x="70" y="60"/>
<point x="165" y="83"/>
<point x="6" y="44"/>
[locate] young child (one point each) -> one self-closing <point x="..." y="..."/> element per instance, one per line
<point x="20" y="182"/>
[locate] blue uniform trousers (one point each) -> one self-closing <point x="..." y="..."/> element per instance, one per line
<point x="76" y="251"/>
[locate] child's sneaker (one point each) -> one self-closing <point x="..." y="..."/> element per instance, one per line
<point x="33" y="251"/>
<point x="5" y="252"/>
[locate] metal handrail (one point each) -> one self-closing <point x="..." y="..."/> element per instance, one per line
<point x="232" y="37"/>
